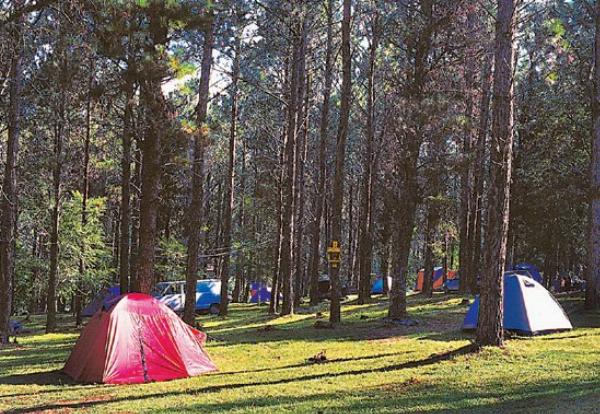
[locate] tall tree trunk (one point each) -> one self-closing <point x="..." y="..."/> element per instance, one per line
<point x="430" y="228"/>
<point x="466" y="181"/>
<point x="323" y="133"/>
<point x="287" y="229"/>
<point x="156" y="119"/>
<point x="340" y="158"/>
<point x="8" y="202"/>
<point x="240" y="274"/>
<point x="135" y="220"/>
<point x="407" y="197"/>
<point x="477" y="205"/>
<point x="593" y="271"/>
<point x="490" y="326"/>
<point x="230" y="181"/>
<point x="302" y="149"/>
<point x="85" y="187"/>
<point x="55" y="217"/>
<point x="195" y="211"/>
<point x="365" y="248"/>
<point x="275" y="285"/>
<point x="124" y="251"/>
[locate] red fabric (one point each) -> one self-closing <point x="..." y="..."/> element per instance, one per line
<point x="437" y="284"/>
<point x="137" y="340"/>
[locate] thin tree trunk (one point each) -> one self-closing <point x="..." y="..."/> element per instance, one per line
<point x="430" y="227"/>
<point x="482" y="134"/>
<point x="135" y="221"/>
<point x="230" y="181"/>
<point x="466" y="207"/>
<point x="85" y="187"/>
<point x="55" y="218"/>
<point x="195" y="211"/>
<point x="593" y="271"/>
<point x="365" y="248"/>
<point x="490" y="326"/>
<point x="323" y="133"/>
<point x="8" y="202"/>
<point x="275" y="285"/>
<point x="240" y="274"/>
<point x="124" y="251"/>
<point x="303" y="151"/>
<point x="340" y="158"/>
<point x="287" y="231"/>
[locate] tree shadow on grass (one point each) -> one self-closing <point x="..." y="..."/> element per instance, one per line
<point x="432" y="359"/>
<point x="55" y="377"/>
<point x="309" y="364"/>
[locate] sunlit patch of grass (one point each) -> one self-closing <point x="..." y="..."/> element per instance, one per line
<point x="371" y="367"/>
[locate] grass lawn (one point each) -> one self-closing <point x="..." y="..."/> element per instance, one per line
<point x="372" y="367"/>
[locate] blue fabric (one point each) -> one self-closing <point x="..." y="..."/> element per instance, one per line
<point x="14" y="327"/>
<point x="515" y="307"/>
<point x="103" y="299"/>
<point x="452" y="284"/>
<point x="532" y="269"/>
<point x="259" y="292"/>
<point x="377" y="288"/>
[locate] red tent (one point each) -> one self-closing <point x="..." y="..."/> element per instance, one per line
<point x="136" y="339"/>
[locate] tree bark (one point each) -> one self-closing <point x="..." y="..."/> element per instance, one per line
<point x="230" y="181"/>
<point x="287" y="231"/>
<point x="340" y="158"/>
<point x="315" y="255"/>
<point x="593" y="271"/>
<point x="490" y="325"/>
<point x="125" y="222"/>
<point x="9" y="200"/>
<point x="195" y="211"/>
<point x="85" y="188"/>
<point x="480" y="171"/>
<point x="406" y="170"/>
<point x="302" y="149"/>
<point x="55" y="217"/>
<point x="156" y="120"/>
<point x="365" y="248"/>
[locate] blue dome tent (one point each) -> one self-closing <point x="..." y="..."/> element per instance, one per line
<point x="259" y="292"/>
<point x="102" y="298"/>
<point x="532" y="269"/>
<point x="529" y="308"/>
<point x="377" y="288"/>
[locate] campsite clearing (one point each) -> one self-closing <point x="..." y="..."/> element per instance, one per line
<point x="370" y="366"/>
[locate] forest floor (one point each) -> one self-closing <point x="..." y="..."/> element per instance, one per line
<point x="371" y="367"/>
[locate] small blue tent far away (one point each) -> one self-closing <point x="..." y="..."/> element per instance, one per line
<point x="259" y="292"/>
<point x="532" y="269"/>
<point x="377" y="288"/>
<point x="529" y="308"/>
<point x="102" y="299"/>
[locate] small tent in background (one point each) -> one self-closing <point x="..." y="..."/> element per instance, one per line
<point x="532" y="269"/>
<point x="377" y="288"/>
<point x="259" y="292"/>
<point x="136" y="339"/>
<point x="529" y="308"/>
<point x="102" y="298"/>
<point x="437" y="278"/>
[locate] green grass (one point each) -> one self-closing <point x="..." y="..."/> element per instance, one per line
<point x="372" y="367"/>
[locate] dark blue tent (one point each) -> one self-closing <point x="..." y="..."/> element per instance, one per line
<point x="528" y="308"/>
<point x="532" y="269"/>
<point x="259" y="292"/>
<point x="102" y="299"/>
<point x="14" y="327"/>
<point x="377" y="288"/>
